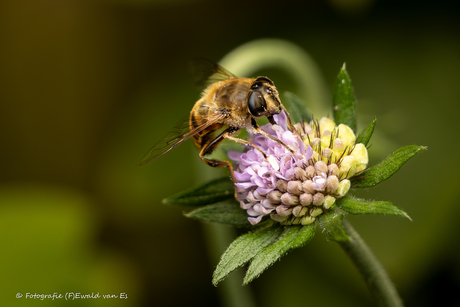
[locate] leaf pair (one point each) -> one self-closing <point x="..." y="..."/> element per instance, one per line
<point x="263" y="248"/>
<point x="216" y="203"/>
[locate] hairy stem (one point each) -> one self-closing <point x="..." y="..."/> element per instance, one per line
<point x="375" y="276"/>
<point x="244" y="61"/>
<point x="218" y="238"/>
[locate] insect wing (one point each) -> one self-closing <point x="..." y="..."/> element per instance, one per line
<point x="206" y="72"/>
<point x="180" y="133"/>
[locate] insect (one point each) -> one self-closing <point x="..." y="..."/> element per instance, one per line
<point x="227" y="101"/>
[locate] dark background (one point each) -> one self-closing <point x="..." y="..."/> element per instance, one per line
<point x="86" y="87"/>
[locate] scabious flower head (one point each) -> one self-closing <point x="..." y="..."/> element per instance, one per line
<point x="296" y="188"/>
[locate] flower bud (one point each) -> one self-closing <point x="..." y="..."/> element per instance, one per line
<point x="282" y="210"/>
<point x="300" y="173"/>
<point x="333" y="169"/>
<point x="316" y="211"/>
<point x="338" y="144"/>
<point x="310" y="170"/>
<point x="306" y="220"/>
<point x="281" y="185"/>
<point x="274" y="196"/>
<point x="327" y="152"/>
<point x="278" y="218"/>
<point x="320" y="167"/>
<point x="289" y="199"/>
<point x="294" y="187"/>
<point x="332" y="183"/>
<point x="347" y="135"/>
<point x="343" y="188"/>
<point x="299" y="211"/>
<point x="307" y="187"/>
<point x="328" y="202"/>
<point x="347" y="167"/>
<point x="361" y="157"/>
<point x="306" y="199"/>
<point x="326" y="124"/>
<point x="318" y="199"/>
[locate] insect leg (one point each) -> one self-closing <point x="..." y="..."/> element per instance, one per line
<point x="210" y="146"/>
<point x="257" y="128"/>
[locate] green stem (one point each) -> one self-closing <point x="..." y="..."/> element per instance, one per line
<point x="218" y="238"/>
<point x="270" y="52"/>
<point x="244" y="61"/>
<point x="375" y="276"/>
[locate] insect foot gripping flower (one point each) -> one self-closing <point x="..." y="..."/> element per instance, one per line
<point x="296" y="188"/>
<point x="300" y="191"/>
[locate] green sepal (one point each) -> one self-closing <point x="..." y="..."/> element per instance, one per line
<point x="365" y="136"/>
<point x="331" y="222"/>
<point x="292" y="237"/>
<point x="243" y="249"/>
<point x="208" y="193"/>
<point x="296" y="107"/>
<point x="386" y="168"/>
<point x="343" y="100"/>
<point x="354" y="205"/>
<point x="224" y="212"/>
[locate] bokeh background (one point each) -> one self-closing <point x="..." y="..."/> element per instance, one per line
<point x="88" y="86"/>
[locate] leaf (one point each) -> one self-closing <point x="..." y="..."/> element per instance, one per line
<point x="331" y="222"/>
<point x="386" y="168"/>
<point x="344" y="104"/>
<point x="297" y="108"/>
<point x="366" y="135"/>
<point x="353" y="205"/>
<point x="211" y="192"/>
<point x="243" y="249"/>
<point x="224" y="212"/>
<point x="292" y="237"/>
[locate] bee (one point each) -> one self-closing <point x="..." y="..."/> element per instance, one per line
<point x="227" y="101"/>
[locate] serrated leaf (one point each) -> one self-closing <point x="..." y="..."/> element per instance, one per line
<point x="354" y="205"/>
<point x="366" y="135"/>
<point x="331" y="222"/>
<point x="344" y="103"/>
<point x="305" y="234"/>
<point x="296" y="107"/>
<point x="208" y="193"/>
<point x="224" y="212"/>
<point x="292" y="237"/>
<point x="385" y="169"/>
<point x="243" y="249"/>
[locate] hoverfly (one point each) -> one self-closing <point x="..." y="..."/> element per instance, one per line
<point x="226" y="101"/>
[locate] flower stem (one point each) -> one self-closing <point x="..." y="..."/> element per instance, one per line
<point x="218" y="238"/>
<point x="375" y="276"/>
<point x="271" y="52"/>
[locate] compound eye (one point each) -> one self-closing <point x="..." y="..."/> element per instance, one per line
<point x="256" y="104"/>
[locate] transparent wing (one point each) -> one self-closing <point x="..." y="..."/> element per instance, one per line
<point x="180" y="133"/>
<point x="206" y="72"/>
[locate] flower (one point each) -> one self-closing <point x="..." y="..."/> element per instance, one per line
<point x="295" y="188"/>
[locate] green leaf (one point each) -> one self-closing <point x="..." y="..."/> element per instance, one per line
<point x="296" y="107"/>
<point x="331" y="222"/>
<point x="292" y="237"/>
<point x="211" y="192"/>
<point x="344" y="104"/>
<point x="224" y="212"/>
<point x="386" y="168"/>
<point x="366" y="135"/>
<point x="243" y="249"/>
<point x="353" y="205"/>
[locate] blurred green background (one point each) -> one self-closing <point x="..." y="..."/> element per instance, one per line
<point x="88" y="86"/>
